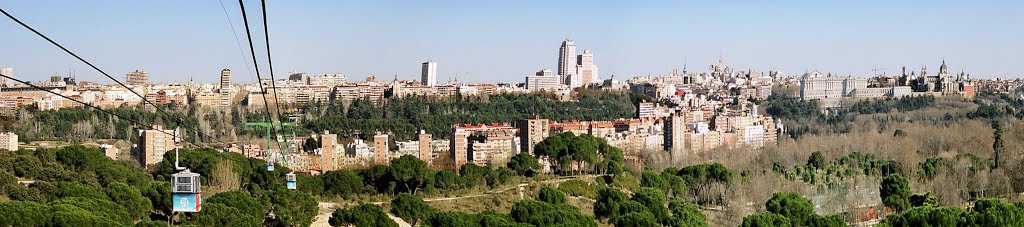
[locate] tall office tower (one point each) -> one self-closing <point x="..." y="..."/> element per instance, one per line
<point x="225" y="79"/>
<point x="532" y="131"/>
<point x="459" y="149"/>
<point x="225" y="87"/>
<point x="424" y="147"/>
<point x="429" y="74"/>
<point x="381" y="150"/>
<point x="153" y="143"/>
<point x="6" y="72"/>
<point x="566" y="60"/>
<point x="137" y="78"/>
<point x="586" y="68"/>
<point x="675" y="136"/>
<point x="327" y="143"/>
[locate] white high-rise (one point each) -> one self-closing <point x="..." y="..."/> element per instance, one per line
<point x="137" y="78"/>
<point x="566" y="60"/>
<point x="543" y="80"/>
<point x="225" y="87"/>
<point x="225" y="79"/>
<point x="585" y="68"/>
<point x="429" y="74"/>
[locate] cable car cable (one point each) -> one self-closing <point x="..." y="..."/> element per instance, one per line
<point x="157" y="107"/>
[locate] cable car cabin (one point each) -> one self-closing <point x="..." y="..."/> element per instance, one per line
<point x="290" y="177"/>
<point x="270" y="166"/>
<point x="185" y="190"/>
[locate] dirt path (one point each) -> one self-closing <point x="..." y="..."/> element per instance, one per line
<point x="326" y="208"/>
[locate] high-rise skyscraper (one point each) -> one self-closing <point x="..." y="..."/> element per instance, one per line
<point x="566" y="60"/>
<point x="225" y="87"/>
<point x="137" y="78"/>
<point x="429" y="74"/>
<point x="585" y="67"/>
<point x="225" y="79"/>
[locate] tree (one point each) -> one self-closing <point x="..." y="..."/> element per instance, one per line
<point x="131" y="198"/>
<point x="816" y="160"/>
<point x="895" y="192"/>
<point x="293" y="208"/>
<point x="24" y="213"/>
<point x="685" y="215"/>
<point x="492" y="218"/>
<point x="612" y="161"/>
<point x="997" y="144"/>
<point x="410" y="172"/>
<point x="637" y="219"/>
<point x="676" y="184"/>
<point x="626" y="180"/>
<point x="995" y="212"/>
<point x="218" y="214"/>
<point x="240" y="201"/>
<point x="523" y="164"/>
<point x="7" y="180"/>
<point x="608" y="202"/>
<point x="551" y="195"/>
<point x="446" y="180"/>
<point x="707" y="182"/>
<point x="75" y="189"/>
<point x="649" y="178"/>
<point x="654" y="200"/>
<point x="71" y="215"/>
<point x="365" y="215"/>
<point x="93" y="210"/>
<point x="342" y="183"/>
<point x="159" y="194"/>
<point x="378" y="176"/>
<point x="473" y="174"/>
<point x="410" y="208"/>
<point x="826" y="221"/>
<point x="310" y="144"/>
<point x="315" y="184"/>
<point x="926" y="216"/>
<point x="923" y="199"/>
<point x="765" y="219"/>
<point x="450" y="218"/>
<point x="545" y="214"/>
<point x="793" y="206"/>
<point x="556" y="149"/>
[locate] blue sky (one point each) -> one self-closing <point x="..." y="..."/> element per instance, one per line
<point x="503" y="41"/>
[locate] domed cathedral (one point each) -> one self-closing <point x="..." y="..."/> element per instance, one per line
<point x="946" y="84"/>
<point x="943" y="83"/>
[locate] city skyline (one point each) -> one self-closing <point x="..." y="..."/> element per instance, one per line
<point x="317" y="38"/>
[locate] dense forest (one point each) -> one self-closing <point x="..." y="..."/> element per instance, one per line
<point x="78" y="186"/>
<point x="401" y="117"/>
<point x="404" y="117"/>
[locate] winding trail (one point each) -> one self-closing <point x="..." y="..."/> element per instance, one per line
<point x="326" y="208"/>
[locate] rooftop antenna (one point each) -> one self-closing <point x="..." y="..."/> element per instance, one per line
<point x="684" y="65"/>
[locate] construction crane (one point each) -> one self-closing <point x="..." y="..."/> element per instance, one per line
<point x="875" y="70"/>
